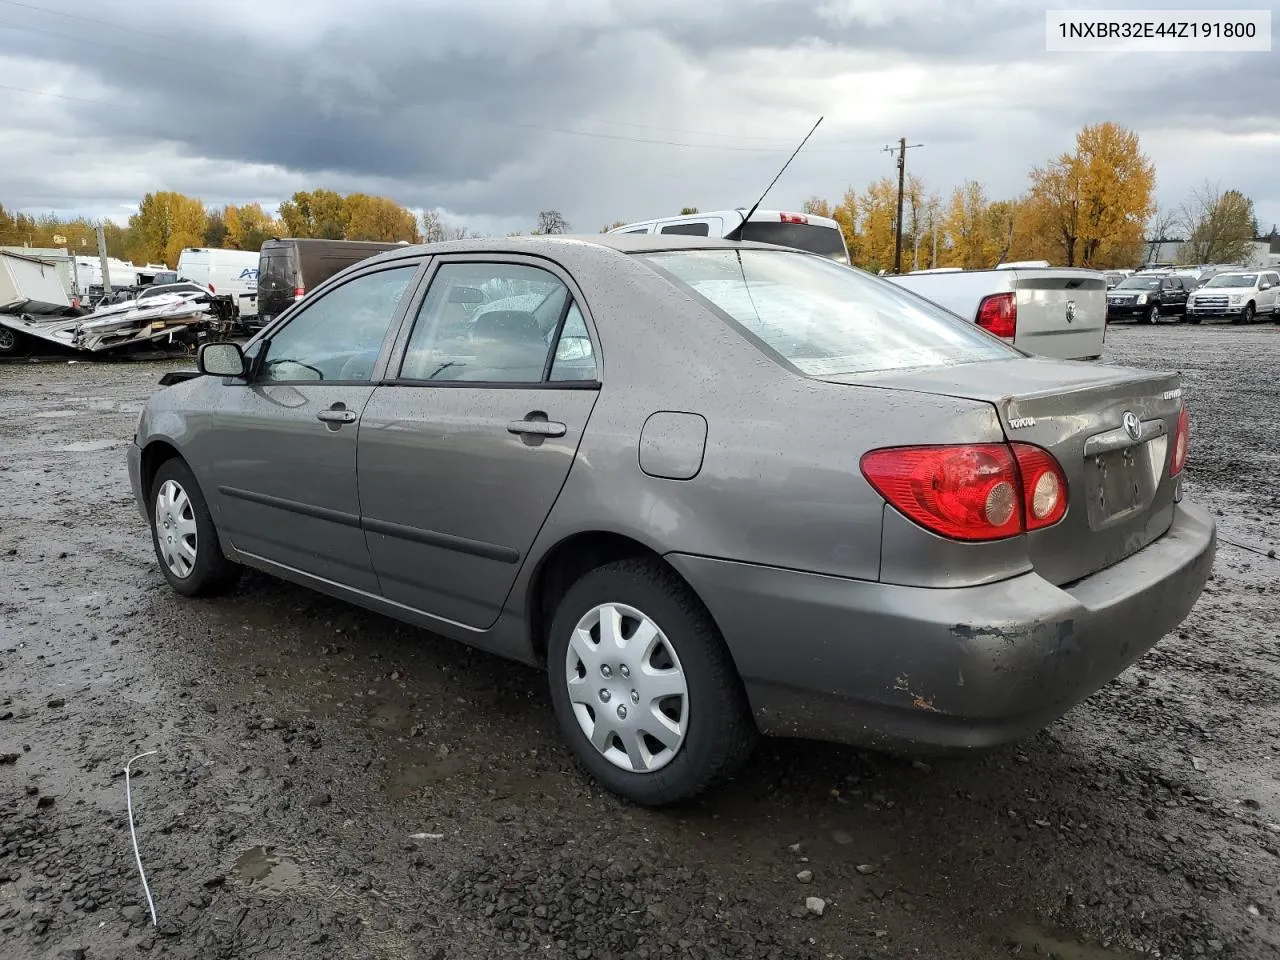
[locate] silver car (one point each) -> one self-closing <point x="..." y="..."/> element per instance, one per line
<point x="715" y="488"/>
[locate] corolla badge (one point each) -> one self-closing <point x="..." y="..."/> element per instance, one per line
<point x="1132" y="425"/>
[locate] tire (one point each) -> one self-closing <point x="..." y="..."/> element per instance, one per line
<point x="179" y="514"/>
<point x="1247" y="314"/>
<point x="1152" y="315"/>
<point x="719" y="731"/>
<point x="12" y="343"/>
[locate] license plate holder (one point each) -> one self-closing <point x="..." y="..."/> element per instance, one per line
<point x="1116" y="485"/>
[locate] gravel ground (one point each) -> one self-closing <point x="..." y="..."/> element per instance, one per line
<point x="331" y="784"/>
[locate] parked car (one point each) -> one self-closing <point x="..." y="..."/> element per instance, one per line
<point x="1050" y="311"/>
<point x="1146" y="297"/>
<point x="232" y="273"/>
<point x="800" y="231"/>
<point x="1113" y="278"/>
<point x="1241" y="296"/>
<point x="714" y="488"/>
<point x="289" y="267"/>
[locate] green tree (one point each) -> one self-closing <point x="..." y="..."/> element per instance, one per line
<point x="314" y="213"/>
<point x="215" y="229"/>
<point x="1219" y="225"/>
<point x="688" y="211"/>
<point x="165" y="223"/>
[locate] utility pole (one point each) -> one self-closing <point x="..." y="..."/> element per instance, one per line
<point x="901" y="149"/>
<point x="102" y="259"/>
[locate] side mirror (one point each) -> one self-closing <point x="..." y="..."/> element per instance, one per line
<point x="221" y="360"/>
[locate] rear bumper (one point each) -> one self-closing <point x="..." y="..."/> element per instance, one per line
<point x="921" y="670"/>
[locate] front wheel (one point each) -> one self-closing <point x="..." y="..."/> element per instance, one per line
<point x="1247" y="314"/>
<point x="1152" y="315"/>
<point x="11" y="342"/>
<point x="185" y="540"/>
<point x="643" y="686"/>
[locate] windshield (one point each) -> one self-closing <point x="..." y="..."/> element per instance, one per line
<point x="1233" y="280"/>
<point x="823" y="318"/>
<point x="824" y="241"/>
<point x="1140" y="283"/>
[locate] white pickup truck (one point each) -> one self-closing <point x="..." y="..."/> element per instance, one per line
<point x="1058" y="312"/>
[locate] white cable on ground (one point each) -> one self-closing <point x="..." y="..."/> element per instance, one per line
<point x="128" y="796"/>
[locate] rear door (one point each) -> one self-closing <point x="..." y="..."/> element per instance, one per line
<point x="464" y="453"/>
<point x="277" y="279"/>
<point x="1061" y="313"/>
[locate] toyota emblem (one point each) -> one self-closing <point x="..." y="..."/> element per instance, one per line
<point x="1132" y="425"/>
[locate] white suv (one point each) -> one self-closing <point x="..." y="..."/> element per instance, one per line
<point x="1242" y="295"/>
<point x="801" y="231"/>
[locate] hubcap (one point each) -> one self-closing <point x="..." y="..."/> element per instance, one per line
<point x="7" y="338"/>
<point x="176" y="529"/>
<point x="617" y="655"/>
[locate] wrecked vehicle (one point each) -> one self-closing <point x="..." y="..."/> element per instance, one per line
<point x="714" y="487"/>
<point x="34" y="306"/>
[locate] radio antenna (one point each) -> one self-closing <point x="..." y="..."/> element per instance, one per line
<point x="736" y="232"/>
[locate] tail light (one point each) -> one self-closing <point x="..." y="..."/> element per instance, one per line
<point x="298" y="293"/>
<point x="212" y="288"/>
<point x="793" y="218"/>
<point x="998" y="314"/>
<point x="1181" y="443"/>
<point x="972" y="492"/>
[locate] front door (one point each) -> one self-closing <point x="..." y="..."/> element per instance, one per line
<point x="284" y="443"/>
<point x="464" y="454"/>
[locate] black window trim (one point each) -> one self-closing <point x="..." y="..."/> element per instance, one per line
<point x="262" y="341"/>
<point x="410" y="318"/>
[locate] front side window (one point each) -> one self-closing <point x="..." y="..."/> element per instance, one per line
<point x="494" y="323"/>
<point x="823" y="318"/>
<point x="338" y="336"/>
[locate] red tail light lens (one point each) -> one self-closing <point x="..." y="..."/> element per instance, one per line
<point x="1181" y="443"/>
<point x="971" y="492"/>
<point x="998" y="314"/>
<point x="212" y="288"/>
<point x="1044" y="486"/>
<point x="793" y="218"/>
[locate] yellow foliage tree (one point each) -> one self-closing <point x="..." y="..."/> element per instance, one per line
<point x="845" y="213"/>
<point x="378" y="218"/>
<point x="1094" y="203"/>
<point x="248" y="226"/>
<point x="314" y="213"/>
<point x="165" y="223"/>
<point x="967" y="225"/>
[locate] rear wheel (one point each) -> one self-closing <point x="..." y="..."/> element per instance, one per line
<point x="185" y="540"/>
<point x="643" y="686"/>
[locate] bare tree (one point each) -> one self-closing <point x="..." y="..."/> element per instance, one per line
<point x="435" y="230"/>
<point x="551" y="221"/>
<point x="1159" y="231"/>
<point x="1219" y="225"/>
<point x="817" y="207"/>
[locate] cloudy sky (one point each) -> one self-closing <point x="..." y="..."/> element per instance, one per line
<point x="604" y="109"/>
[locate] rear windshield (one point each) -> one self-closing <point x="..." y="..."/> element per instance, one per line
<point x="824" y="241"/>
<point x="276" y="268"/>
<point x="823" y="318"/>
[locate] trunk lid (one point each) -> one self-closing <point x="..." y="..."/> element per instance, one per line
<point x="1120" y="495"/>
<point x="1061" y="313"/>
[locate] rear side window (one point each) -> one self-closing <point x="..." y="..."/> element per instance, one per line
<point x="688" y="229"/>
<point x="822" y="318"/>
<point x="824" y="241"/>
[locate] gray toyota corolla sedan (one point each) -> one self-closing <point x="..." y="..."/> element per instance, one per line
<point x="715" y="488"/>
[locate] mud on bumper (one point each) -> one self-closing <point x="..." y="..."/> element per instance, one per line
<point x="926" y="670"/>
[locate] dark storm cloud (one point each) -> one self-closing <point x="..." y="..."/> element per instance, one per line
<point x="450" y="104"/>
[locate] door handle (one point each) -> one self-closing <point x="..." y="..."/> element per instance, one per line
<point x="337" y="416"/>
<point x="537" y="428"/>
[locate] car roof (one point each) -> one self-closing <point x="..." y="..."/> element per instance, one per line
<point x="567" y="244"/>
